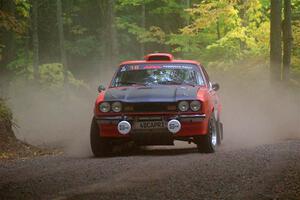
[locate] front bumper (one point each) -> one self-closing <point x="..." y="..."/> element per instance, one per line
<point x="191" y="124"/>
<point x="189" y="118"/>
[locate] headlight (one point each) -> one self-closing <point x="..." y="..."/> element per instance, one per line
<point x="116" y="107"/>
<point x="104" y="107"/>
<point x="195" y="105"/>
<point x="183" y="106"/>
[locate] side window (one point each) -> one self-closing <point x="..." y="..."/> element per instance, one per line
<point x="200" y="79"/>
<point x="206" y="75"/>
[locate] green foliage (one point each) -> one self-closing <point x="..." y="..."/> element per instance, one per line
<point x="296" y="49"/>
<point x="215" y="32"/>
<point x="225" y="31"/>
<point x="124" y="3"/>
<point x="16" y="22"/>
<point x="154" y="34"/>
<point x="296" y="66"/>
<point x="186" y="43"/>
<point x="23" y="7"/>
<point x="82" y="46"/>
<point x="22" y="65"/>
<point x="52" y="77"/>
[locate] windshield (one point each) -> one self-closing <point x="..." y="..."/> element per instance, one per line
<point x="158" y="74"/>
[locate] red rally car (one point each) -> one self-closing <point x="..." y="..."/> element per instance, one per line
<point x="154" y="102"/>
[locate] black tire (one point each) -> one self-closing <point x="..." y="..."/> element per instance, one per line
<point x="219" y="132"/>
<point x="101" y="147"/>
<point x="208" y="143"/>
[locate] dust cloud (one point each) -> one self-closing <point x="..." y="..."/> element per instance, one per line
<point x="56" y="120"/>
<point x="254" y="112"/>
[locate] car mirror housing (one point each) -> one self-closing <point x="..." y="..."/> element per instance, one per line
<point x="101" y="88"/>
<point x="215" y="86"/>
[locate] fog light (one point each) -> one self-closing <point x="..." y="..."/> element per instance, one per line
<point x="174" y="126"/>
<point x="124" y="127"/>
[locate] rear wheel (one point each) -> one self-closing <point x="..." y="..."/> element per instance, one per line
<point x="207" y="143"/>
<point x="101" y="147"/>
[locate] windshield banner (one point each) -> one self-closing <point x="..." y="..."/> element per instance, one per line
<point x="144" y="66"/>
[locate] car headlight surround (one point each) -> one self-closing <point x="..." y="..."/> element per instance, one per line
<point x="104" y="107"/>
<point x="195" y="106"/>
<point x="183" y="106"/>
<point x="116" y="106"/>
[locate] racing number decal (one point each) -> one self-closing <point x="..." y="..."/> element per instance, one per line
<point x="134" y="67"/>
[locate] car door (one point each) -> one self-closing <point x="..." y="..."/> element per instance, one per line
<point x="213" y="94"/>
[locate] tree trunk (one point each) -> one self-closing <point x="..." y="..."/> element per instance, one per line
<point x="287" y="39"/>
<point x="218" y="30"/>
<point x="275" y="41"/>
<point x="113" y="37"/>
<point x="188" y="5"/>
<point x="35" y="38"/>
<point x="8" y="40"/>
<point x="143" y="24"/>
<point x="61" y="38"/>
<point x="108" y="34"/>
<point x="188" y="20"/>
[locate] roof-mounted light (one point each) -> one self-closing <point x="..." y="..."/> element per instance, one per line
<point x="159" y="57"/>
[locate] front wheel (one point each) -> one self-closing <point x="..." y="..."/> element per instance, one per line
<point x="219" y="132"/>
<point x="100" y="146"/>
<point x="208" y="143"/>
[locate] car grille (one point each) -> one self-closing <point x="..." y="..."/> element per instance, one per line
<point x="150" y="107"/>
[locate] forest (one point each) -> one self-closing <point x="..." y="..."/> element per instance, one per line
<point x="55" y="53"/>
<point x="47" y="40"/>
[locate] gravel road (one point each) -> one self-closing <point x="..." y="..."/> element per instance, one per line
<point x="264" y="172"/>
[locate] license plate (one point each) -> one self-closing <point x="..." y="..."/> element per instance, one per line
<point x="149" y="125"/>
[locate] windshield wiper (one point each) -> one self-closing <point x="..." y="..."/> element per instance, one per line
<point x="189" y="83"/>
<point x="176" y="82"/>
<point x="130" y="83"/>
<point x="170" y="82"/>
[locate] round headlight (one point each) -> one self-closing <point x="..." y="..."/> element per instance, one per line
<point x="195" y="105"/>
<point x="183" y="106"/>
<point x="104" y="107"/>
<point x="116" y="107"/>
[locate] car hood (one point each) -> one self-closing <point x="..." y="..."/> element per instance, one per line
<point x="151" y="94"/>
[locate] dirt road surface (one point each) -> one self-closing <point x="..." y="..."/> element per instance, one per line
<point x="263" y="172"/>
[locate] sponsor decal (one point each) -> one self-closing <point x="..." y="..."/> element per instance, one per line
<point x="177" y="67"/>
<point x="158" y="66"/>
<point x="174" y="126"/>
<point x="123" y="69"/>
<point x="152" y="67"/>
<point x="124" y="127"/>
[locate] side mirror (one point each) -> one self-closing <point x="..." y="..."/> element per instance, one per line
<point x="101" y="88"/>
<point x="215" y="86"/>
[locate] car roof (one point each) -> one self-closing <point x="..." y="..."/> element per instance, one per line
<point x="159" y="58"/>
<point x="158" y="61"/>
